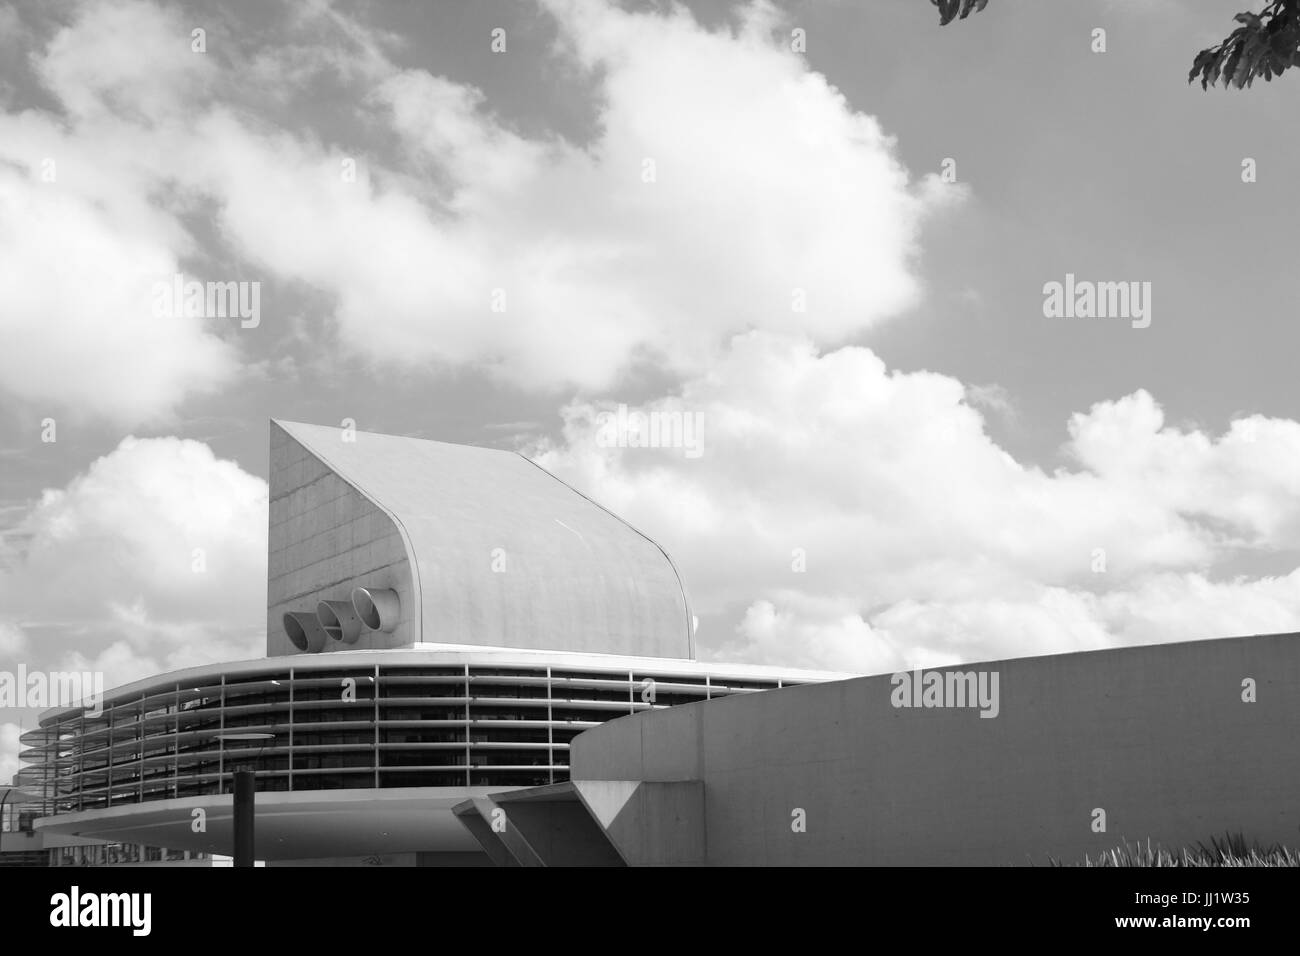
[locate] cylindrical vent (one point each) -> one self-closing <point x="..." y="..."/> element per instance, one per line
<point x="378" y="608"/>
<point x="340" y="620"/>
<point x="304" y="631"/>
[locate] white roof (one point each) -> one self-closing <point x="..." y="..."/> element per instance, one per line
<point x="579" y="577"/>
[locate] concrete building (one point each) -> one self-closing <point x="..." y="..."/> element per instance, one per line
<point x="22" y="845"/>
<point x="1056" y="757"/>
<point x="443" y="621"/>
<point x="481" y="547"/>
<point x="469" y="662"/>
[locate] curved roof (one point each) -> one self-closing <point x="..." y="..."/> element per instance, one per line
<point x="504" y="553"/>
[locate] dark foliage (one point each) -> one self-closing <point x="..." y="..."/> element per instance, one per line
<point x="1265" y="44"/>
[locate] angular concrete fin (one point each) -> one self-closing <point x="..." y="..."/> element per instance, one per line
<point x="475" y="816"/>
<point x="655" y="823"/>
<point x="605" y="799"/>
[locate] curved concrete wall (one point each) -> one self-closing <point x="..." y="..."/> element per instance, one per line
<point x="1158" y="737"/>
<point x="325" y="538"/>
<point x="483" y="546"/>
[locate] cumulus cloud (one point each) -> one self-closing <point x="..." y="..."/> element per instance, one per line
<point x="648" y="243"/>
<point x="1173" y="607"/>
<point x="155" y="556"/>
<point x="466" y="243"/>
<point x="1246" y="480"/>
<point x="812" y="632"/>
<point x="81" y="239"/>
<point x="732" y="222"/>
<point x="76" y="293"/>
<point x="1026" y="621"/>
<point x="865" y="516"/>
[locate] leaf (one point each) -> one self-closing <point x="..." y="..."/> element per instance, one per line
<point x="1230" y="70"/>
<point x="1200" y="64"/>
<point x="947" y="10"/>
<point x="950" y="10"/>
<point x="1264" y="44"/>
<point x="1212" y="72"/>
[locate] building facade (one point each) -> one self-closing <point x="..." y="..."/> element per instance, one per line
<point x="443" y="621"/>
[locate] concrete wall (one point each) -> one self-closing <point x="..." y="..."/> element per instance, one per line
<point x="651" y="823"/>
<point x="559" y="833"/>
<point x="325" y="539"/>
<point x="1158" y="737"/>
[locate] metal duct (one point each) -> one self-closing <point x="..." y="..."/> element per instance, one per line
<point x="378" y="608"/>
<point x="304" y="631"/>
<point x="340" y="621"/>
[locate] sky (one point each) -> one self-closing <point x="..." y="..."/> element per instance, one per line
<point x="824" y="230"/>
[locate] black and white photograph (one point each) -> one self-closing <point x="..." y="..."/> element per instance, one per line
<point x="770" y="435"/>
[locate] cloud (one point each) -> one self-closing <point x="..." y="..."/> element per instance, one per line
<point x="731" y="224"/>
<point x="132" y="658"/>
<point x="799" y="629"/>
<point x="853" y="514"/>
<point x="1174" y="607"/>
<point x="1153" y="609"/>
<point x="647" y="244"/>
<point x="82" y="238"/>
<point x="461" y="242"/>
<point x="1026" y="621"/>
<point x="155" y="555"/>
<point x="1246" y="480"/>
<point x="812" y="632"/>
<point x="9" y="764"/>
<point x="131" y="59"/>
<point x="12" y="640"/>
<point x="76" y="293"/>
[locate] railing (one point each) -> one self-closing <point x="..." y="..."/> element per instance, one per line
<point x="373" y="726"/>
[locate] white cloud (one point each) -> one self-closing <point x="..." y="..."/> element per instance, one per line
<point x="1152" y="609"/>
<point x="1175" y="607"/>
<point x="155" y="555"/>
<point x="799" y="629"/>
<point x="1246" y="480"/>
<point x="9" y="748"/>
<point x="812" y="632"/>
<point x="82" y="237"/>
<point x="923" y="539"/>
<point x="588" y="251"/>
<point x="1024" y="622"/>
<point x="584" y="250"/>
<point x="839" y="501"/>
<point x="12" y="641"/>
<point x="130" y="58"/>
<point x="76" y="291"/>
<point x="138" y="656"/>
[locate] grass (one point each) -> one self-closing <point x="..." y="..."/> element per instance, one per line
<point x="1231" y="850"/>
